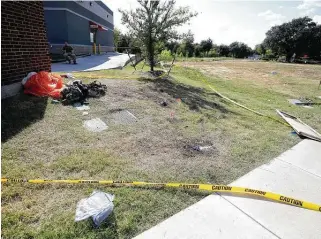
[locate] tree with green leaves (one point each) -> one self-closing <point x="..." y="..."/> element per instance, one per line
<point x="197" y="50"/>
<point x="206" y="45"/>
<point x="223" y="50"/>
<point x="187" y="45"/>
<point x="240" y="49"/>
<point x="117" y="34"/>
<point x="172" y="46"/>
<point x="260" y="49"/>
<point x="155" y="21"/>
<point x="299" y="36"/>
<point x="124" y="41"/>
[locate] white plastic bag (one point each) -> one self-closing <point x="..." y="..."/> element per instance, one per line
<point x="98" y="205"/>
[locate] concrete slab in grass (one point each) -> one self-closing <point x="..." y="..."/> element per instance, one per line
<point x="124" y="117"/>
<point x="295" y="173"/>
<point x="95" y="125"/>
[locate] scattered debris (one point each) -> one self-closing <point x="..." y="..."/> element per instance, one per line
<point x="123" y="117"/>
<point x="294" y="101"/>
<point x="202" y="148"/>
<point x="68" y="75"/>
<point x="79" y="106"/>
<point x="95" y="125"/>
<point x="191" y="149"/>
<point x="164" y="103"/>
<point x="48" y="84"/>
<point x="55" y="101"/>
<point x="98" y="205"/>
<point x="85" y="113"/>
<point x="78" y="92"/>
<point x="172" y="114"/>
<point x="301" y="128"/>
<point x="96" y="89"/>
<point x="303" y="102"/>
<point x="293" y="133"/>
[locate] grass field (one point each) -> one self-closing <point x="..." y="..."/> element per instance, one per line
<point x="45" y="140"/>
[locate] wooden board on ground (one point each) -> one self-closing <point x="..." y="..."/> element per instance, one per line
<point x="300" y="127"/>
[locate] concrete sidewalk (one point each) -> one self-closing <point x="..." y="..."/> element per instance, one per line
<point x="112" y="60"/>
<point x="295" y="173"/>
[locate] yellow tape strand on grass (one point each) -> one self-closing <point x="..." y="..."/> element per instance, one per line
<point x="206" y="187"/>
<point x="243" y="106"/>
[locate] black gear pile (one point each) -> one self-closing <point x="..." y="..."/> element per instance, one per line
<point x="79" y="92"/>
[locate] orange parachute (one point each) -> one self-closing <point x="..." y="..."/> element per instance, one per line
<point x="44" y="84"/>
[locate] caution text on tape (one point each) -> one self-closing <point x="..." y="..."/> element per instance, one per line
<point x="206" y="187"/>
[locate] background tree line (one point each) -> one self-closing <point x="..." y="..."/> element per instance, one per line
<point x="152" y="32"/>
<point x="185" y="47"/>
<point x="301" y="36"/>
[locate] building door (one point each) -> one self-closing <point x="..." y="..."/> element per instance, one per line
<point x="93" y="32"/>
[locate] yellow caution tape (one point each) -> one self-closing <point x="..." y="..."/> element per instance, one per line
<point x="206" y="187"/>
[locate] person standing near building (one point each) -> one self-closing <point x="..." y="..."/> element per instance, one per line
<point x="69" y="53"/>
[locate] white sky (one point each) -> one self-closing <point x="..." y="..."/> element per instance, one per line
<point x="228" y="21"/>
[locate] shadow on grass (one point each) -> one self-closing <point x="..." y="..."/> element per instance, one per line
<point x="195" y="98"/>
<point x="20" y="111"/>
<point x="108" y="229"/>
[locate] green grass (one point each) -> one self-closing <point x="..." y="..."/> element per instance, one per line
<point x="206" y="59"/>
<point x="44" y="140"/>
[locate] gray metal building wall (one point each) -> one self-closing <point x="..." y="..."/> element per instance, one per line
<point x="56" y="26"/>
<point x="78" y="29"/>
<point x="69" y="21"/>
<point x="105" y="38"/>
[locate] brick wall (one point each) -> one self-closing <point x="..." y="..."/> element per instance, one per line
<point x="24" y="45"/>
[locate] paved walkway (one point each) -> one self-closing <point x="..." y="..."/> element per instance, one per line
<point x="94" y="62"/>
<point x="295" y="173"/>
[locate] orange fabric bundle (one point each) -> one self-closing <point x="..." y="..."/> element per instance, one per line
<point x="44" y="84"/>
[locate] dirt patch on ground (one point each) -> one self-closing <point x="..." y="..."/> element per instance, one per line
<point x="259" y="73"/>
<point x="158" y="143"/>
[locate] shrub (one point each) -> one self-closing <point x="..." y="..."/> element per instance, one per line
<point x="165" y="55"/>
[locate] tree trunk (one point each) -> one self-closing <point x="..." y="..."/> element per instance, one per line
<point x="151" y="53"/>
